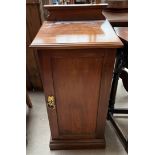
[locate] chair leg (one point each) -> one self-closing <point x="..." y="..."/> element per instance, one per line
<point x="116" y="75"/>
<point x="119" y="132"/>
<point x="124" y="77"/>
<point x="28" y="101"/>
<point x="118" y="72"/>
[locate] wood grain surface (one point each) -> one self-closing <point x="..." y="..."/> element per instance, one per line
<point x="80" y="80"/>
<point x="77" y="34"/>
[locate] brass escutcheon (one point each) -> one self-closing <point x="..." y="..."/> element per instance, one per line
<point x="51" y="102"/>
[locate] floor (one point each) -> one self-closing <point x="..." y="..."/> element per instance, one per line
<point x="38" y="132"/>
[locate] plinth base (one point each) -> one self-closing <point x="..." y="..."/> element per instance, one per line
<point x="77" y="144"/>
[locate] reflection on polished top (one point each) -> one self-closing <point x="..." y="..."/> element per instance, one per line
<point x="76" y="34"/>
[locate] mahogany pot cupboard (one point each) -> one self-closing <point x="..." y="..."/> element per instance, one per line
<point x="76" y="60"/>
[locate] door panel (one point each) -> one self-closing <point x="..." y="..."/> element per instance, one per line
<point x="76" y="84"/>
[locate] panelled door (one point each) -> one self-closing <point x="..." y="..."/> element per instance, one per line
<point x="77" y="82"/>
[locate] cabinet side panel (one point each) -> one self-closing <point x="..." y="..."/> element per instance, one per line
<point x="107" y="71"/>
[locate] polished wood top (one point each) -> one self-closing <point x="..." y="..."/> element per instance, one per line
<point x="77" y="34"/>
<point x="122" y="32"/>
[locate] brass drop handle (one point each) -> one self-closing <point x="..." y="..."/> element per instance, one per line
<point x="51" y="102"/>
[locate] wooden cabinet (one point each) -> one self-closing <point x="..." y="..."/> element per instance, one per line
<point x="76" y="62"/>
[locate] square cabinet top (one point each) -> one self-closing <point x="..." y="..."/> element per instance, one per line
<point x="76" y="34"/>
